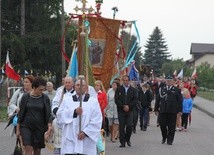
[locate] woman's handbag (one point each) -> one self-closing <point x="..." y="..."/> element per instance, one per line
<point x="18" y="149"/>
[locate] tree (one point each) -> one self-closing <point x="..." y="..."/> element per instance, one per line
<point x="40" y="45"/>
<point x="169" y="67"/>
<point x="156" y="51"/>
<point x="205" y="75"/>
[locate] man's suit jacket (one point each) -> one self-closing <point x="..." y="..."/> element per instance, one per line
<point x="169" y="100"/>
<point x="122" y="98"/>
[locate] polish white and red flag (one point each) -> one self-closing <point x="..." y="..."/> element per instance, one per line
<point x="9" y="71"/>
<point x="194" y="74"/>
<point x="175" y="74"/>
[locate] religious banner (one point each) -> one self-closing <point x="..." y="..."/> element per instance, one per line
<point x="103" y="47"/>
<point x="145" y="70"/>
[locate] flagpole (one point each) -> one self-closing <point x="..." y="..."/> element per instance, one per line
<point x="82" y="35"/>
<point x="8" y="90"/>
<point x="69" y="66"/>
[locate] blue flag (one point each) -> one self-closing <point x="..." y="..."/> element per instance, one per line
<point x="133" y="73"/>
<point x="73" y="68"/>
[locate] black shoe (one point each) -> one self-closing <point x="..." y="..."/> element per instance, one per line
<point x="129" y="144"/>
<point x="169" y="143"/>
<point x="144" y="129"/>
<point x="163" y="141"/>
<point x="122" y="145"/>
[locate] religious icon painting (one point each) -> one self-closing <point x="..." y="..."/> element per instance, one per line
<point x="96" y="52"/>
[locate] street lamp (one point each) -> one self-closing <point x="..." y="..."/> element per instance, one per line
<point x="99" y="1"/>
<point x="115" y="9"/>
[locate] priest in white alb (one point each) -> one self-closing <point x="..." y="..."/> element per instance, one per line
<point x="74" y="140"/>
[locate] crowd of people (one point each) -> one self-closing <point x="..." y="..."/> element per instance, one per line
<point x="73" y="116"/>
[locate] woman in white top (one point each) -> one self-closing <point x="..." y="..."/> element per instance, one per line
<point x="111" y="111"/>
<point x="13" y="106"/>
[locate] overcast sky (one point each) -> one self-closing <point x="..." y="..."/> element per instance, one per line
<point x="182" y="22"/>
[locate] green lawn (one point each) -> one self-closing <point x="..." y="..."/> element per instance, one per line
<point x="3" y="113"/>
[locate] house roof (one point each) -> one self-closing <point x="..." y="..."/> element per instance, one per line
<point x="199" y="48"/>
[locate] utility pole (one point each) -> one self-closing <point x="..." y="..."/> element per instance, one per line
<point x="62" y="31"/>
<point x="22" y="17"/>
<point x="0" y="33"/>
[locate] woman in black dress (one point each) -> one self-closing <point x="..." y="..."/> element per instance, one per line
<point x="34" y="118"/>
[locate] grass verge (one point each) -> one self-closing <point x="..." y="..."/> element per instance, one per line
<point x="3" y="113"/>
<point x="206" y="94"/>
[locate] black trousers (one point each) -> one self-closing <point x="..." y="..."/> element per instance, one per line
<point x="144" y="117"/>
<point x="125" y="125"/>
<point x="167" y="125"/>
<point x="184" y="121"/>
<point x="106" y="126"/>
<point x="135" y="117"/>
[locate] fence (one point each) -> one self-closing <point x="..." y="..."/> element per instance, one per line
<point x="6" y="92"/>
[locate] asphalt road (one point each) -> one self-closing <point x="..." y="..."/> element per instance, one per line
<point x="197" y="140"/>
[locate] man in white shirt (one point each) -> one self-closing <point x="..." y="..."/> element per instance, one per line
<point x="68" y="88"/>
<point x="75" y="140"/>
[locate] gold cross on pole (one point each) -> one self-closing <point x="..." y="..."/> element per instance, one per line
<point x="83" y="33"/>
<point x="84" y="9"/>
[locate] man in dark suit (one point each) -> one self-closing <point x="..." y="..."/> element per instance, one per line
<point x="168" y="104"/>
<point x="125" y="97"/>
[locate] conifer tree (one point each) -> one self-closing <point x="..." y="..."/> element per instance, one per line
<point x="156" y="51"/>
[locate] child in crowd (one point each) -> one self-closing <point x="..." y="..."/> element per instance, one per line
<point x="187" y="107"/>
<point x="57" y="137"/>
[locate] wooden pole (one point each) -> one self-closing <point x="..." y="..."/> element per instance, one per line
<point x="82" y="35"/>
<point x="81" y="77"/>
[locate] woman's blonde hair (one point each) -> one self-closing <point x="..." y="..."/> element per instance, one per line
<point x="101" y="85"/>
<point x="186" y="92"/>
